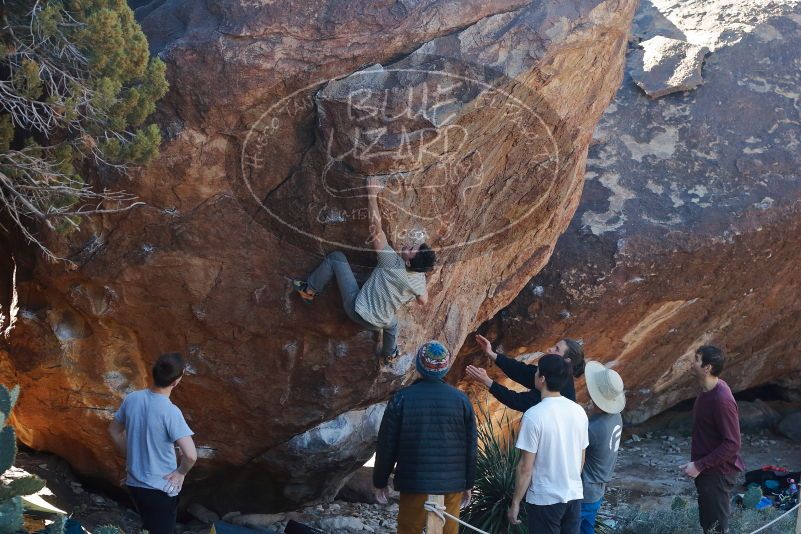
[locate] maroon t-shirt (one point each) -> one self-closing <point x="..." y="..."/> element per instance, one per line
<point x="716" y="432"/>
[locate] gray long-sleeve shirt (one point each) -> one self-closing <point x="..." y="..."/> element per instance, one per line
<point x="599" y="464"/>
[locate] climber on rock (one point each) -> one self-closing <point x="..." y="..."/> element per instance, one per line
<point x="523" y="374"/>
<point x="399" y="277"/>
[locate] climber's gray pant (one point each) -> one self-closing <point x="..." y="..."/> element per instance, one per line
<point x="336" y="264"/>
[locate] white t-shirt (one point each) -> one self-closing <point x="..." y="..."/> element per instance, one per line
<point x="556" y="431"/>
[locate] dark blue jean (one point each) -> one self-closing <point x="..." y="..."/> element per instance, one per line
<point x="588" y="512"/>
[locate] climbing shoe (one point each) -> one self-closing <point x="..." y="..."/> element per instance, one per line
<point x="392" y="358"/>
<point x="303" y="289"/>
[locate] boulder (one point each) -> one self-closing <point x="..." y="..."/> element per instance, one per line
<point x="337" y="524"/>
<point x="358" y="487"/>
<point x="789" y="388"/>
<point x="665" y="65"/>
<point x="319" y="461"/>
<point x="476" y="114"/>
<point x="790" y="426"/>
<point x="756" y="416"/>
<point x="688" y="231"/>
<point x="202" y="514"/>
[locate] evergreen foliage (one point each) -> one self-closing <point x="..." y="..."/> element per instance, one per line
<point x="77" y="85"/>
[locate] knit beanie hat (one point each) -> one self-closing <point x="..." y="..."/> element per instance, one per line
<point x="433" y="360"/>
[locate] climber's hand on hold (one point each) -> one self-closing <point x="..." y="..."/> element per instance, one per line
<point x="377" y="238"/>
<point x="374" y="186"/>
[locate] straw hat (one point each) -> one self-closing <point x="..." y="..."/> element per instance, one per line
<point x="605" y="387"/>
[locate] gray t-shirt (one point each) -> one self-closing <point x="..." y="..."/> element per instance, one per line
<point x="152" y="425"/>
<point x="389" y="287"/>
<point x="599" y="464"/>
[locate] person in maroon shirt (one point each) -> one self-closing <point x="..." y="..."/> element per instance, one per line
<point x="715" y="450"/>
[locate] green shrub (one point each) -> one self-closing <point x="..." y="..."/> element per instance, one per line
<point x="682" y="518"/>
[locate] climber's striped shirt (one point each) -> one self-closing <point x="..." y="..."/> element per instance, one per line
<point x="389" y="287"/>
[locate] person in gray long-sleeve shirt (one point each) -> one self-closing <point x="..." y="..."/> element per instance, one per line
<point x="605" y="427"/>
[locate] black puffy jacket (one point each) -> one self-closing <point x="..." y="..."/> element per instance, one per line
<point x="428" y="434"/>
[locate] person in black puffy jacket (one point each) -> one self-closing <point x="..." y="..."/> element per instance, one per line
<point x="428" y="436"/>
<point x="523" y="374"/>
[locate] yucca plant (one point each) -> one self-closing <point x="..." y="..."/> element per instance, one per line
<point x="495" y="483"/>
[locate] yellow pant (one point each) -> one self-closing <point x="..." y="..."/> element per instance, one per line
<point x="412" y="515"/>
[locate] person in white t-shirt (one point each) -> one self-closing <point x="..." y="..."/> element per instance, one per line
<point x="553" y="438"/>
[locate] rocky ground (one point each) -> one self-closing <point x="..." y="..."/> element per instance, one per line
<point x="647" y="476"/>
<point x="66" y="492"/>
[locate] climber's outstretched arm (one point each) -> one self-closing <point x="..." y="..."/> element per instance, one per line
<point x="378" y="239"/>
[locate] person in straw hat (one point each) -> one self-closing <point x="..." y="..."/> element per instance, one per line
<point x="605" y="426"/>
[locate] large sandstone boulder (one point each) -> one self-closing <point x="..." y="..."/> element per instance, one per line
<point x="688" y="227"/>
<point x="790" y="426"/>
<point x="476" y="114"/>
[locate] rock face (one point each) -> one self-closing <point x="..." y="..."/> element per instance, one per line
<point x="790" y="426"/>
<point x="756" y="416"/>
<point x="476" y="115"/>
<point x="666" y="65"/>
<point x="688" y="227"/>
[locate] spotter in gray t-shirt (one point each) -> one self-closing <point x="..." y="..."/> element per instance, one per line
<point x="599" y="464"/>
<point x="152" y="426"/>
